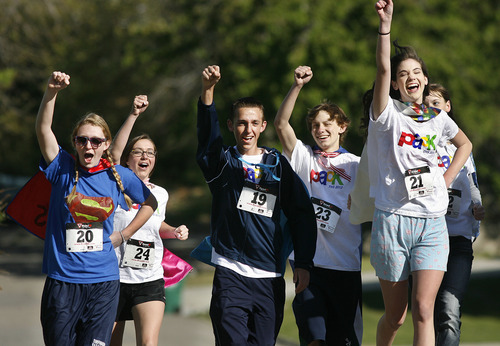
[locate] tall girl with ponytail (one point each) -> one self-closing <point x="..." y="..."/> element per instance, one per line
<point x="80" y="295"/>
<point x="409" y="234"/>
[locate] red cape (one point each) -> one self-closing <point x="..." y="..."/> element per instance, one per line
<point x="30" y="208"/>
<point x="31" y="205"/>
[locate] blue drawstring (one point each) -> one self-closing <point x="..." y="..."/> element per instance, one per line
<point x="266" y="168"/>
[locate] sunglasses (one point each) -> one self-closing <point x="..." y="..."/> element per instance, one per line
<point x="95" y="142"/>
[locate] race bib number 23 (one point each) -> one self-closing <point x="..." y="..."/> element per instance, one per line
<point x="327" y="214"/>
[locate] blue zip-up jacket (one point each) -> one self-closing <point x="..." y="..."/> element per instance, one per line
<point x="246" y="237"/>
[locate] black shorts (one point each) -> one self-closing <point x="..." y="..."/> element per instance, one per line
<point x="327" y="308"/>
<point x="246" y="311"/>
<point x="134" y="294"/>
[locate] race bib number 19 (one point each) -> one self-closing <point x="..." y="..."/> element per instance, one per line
<point x="84" y="237"/>
<point x="257" y="199"/>
<point x="418" y="182"/>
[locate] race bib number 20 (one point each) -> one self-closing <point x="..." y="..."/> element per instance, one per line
<point x="84" y="237"/>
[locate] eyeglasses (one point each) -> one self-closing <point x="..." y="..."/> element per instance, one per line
<point x="140" y="152"/>
<point x="95" y="142"/>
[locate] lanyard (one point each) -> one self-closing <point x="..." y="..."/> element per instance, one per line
<point x="265" y="167"/>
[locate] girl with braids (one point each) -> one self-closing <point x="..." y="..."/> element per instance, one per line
<point x="409" y="234"/>
<point x="80" y="295"/>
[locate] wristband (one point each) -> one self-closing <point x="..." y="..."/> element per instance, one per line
<point x="123" y="238"/>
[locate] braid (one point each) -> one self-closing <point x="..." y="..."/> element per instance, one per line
<point x="118" y="178"/>
<point x="72" y="194"/>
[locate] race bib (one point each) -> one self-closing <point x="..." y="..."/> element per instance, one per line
<point x="455" y="201"/>
<point x="257" y="199"/>
<point x="327" y="214"/>
<point x="84" y="237"/>
<point x="139" y="254"/>
<point x="418" y="182"/>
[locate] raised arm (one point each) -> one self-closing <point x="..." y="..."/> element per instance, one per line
<point x="209" y="77"/>
<point x="383" y="57"/>
<point x="43" y="126"/>
<point x="464" y="148"/>
<point x="286" y="134"/>
<point x="120" y="141"/>
<point x="210" y="142"/>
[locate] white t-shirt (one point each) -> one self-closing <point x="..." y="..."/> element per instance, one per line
<point x="150" y="232"/>
<point x="459" y="217"/>
<point x="330" y="180"/>
<point x="396" y="144"/>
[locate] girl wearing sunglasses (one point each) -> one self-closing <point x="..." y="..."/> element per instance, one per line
<point x="80" y="296"/>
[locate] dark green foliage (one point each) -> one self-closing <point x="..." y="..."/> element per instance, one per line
<point x="116" y="49"/>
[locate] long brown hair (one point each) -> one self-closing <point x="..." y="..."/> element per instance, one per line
<point x="404" y="53"/>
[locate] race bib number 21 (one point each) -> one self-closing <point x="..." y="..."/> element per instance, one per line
<point x="418" y="182"/>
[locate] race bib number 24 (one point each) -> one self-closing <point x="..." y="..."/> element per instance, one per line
<point x="139" y="254"/>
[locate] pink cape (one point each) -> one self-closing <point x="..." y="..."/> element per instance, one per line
<point x="174" y="268"/>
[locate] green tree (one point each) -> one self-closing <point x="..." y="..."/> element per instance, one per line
<point x="116" y="49"/>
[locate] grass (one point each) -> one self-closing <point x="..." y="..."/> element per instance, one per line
<point x="481" y="311"/>
<point x="481" y="316"/>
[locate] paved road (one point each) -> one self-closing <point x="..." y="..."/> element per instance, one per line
<point x="21" y="285"/>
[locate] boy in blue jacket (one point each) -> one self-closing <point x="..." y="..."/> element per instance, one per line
<point x="250" y="187"/>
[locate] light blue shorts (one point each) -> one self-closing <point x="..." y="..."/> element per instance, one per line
<point x="403" y="244"/>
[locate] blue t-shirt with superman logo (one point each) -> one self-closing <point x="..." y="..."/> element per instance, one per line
<point x="98" y="195"/>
